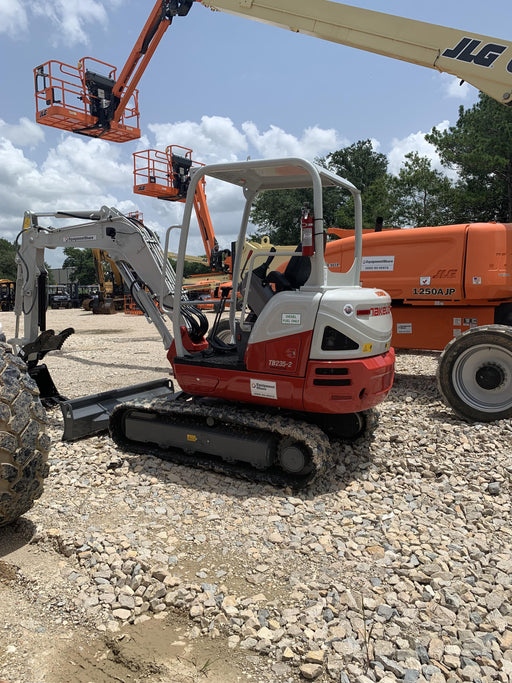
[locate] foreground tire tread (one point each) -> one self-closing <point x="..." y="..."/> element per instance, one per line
<point x="24" y="444"/>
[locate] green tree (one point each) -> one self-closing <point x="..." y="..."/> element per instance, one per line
<point x="367" y="170"/>
<point x="479" y="148"/>
<point x="358" y="163"/>
<point x="7" y="264"/>
<point x="277" y="213"/>
<point x="421" y="195"/>
<point x="191" y="268"/>
<point x="81" y="263"/>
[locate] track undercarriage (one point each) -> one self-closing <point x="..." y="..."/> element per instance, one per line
<point x="274" y="447"/>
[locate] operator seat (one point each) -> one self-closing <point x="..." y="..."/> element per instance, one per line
<point x="295" y="275"/>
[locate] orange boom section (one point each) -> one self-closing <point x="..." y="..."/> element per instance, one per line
<point x="81" y="100"/>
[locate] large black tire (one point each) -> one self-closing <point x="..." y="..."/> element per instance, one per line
<point x="24" y="444"/>
<point x="475" y="374"/>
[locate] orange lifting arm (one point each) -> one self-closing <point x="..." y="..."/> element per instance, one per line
<point x="205" y="226"/>
<point x="158" y="21"/>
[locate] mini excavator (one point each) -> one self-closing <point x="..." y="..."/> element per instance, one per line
<point x="307" y="358"/>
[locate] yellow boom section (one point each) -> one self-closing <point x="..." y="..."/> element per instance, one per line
<point x="482" y="61"/>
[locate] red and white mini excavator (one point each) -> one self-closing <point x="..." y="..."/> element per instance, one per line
<point x="305" y="359"/>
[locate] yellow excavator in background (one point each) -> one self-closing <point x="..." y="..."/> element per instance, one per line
<point x="110" y="296"/>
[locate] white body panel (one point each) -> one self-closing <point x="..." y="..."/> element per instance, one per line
<point x="289" y="313"/>
<point x="339" y="309"/>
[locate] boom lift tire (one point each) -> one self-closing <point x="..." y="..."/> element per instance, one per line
<point x="24" y="444"/>
<point x="475" y="373"/>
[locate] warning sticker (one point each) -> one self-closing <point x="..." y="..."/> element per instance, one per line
<point x="404" y="328"/>
<point x="377" y="263"/>
<point x="263" y="389"/>
<point x="290" y="319"/>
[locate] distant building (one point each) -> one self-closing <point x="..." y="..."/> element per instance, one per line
<point x="61" y="276"/>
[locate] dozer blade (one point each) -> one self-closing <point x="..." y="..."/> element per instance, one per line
<point x="90" y="414"/>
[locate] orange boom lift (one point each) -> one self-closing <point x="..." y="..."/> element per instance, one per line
<point x="81" y="100"/>
<point x="166" y="175"/>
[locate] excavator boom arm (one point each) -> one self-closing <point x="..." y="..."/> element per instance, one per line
<point x="482" y="61"/>
<point x="135" y="251"/>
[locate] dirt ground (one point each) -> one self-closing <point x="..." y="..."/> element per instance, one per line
<point x="60" y="651"/>
<point x="41" y="639"/>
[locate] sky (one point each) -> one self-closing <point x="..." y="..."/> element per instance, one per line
<point x="226" y="87"/>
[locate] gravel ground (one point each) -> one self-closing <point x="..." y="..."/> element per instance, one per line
<point x="395" y="567"/>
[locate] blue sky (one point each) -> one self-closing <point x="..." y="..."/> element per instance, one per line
<point x="226" y="87"/>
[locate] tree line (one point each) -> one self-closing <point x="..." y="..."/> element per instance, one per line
<point x="477" y="153"/>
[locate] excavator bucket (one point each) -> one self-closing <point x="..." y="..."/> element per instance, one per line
<point x="90" y="415"/>
<point x="106" y="307"/>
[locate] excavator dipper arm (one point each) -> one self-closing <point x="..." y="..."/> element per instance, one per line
<point x="133" y="247"/>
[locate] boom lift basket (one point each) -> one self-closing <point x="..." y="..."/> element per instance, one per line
<point x="80" y="100"/>
<point x="163" y="175"/>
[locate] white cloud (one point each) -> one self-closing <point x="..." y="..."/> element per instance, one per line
<point x="214" y="139"/>
<point x="71" y="19"/>
<point x="85" y="173"/>
<point x="25" y="133"/>
<point x="454" y="87"/>
<point x="415" y="142"/>
<point x="275" y="142"/>
<point x="217" y="139"/>
<point x="77" y="174"/>
<point x="13" y="17"/>
<point x="91" y="159"/>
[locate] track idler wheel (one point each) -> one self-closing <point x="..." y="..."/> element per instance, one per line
<point x="348" y="426"/>
<point x="293" y="457"/>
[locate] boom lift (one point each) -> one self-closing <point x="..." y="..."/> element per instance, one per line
<point x="83" y="101"/>
<point x="166" y="175"/>
<point x="311" y="356"/>
<point x="110" y="296"/>
<point x="451" y="290"/>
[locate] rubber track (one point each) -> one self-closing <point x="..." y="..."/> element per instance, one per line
<point x="234" y="417"/>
